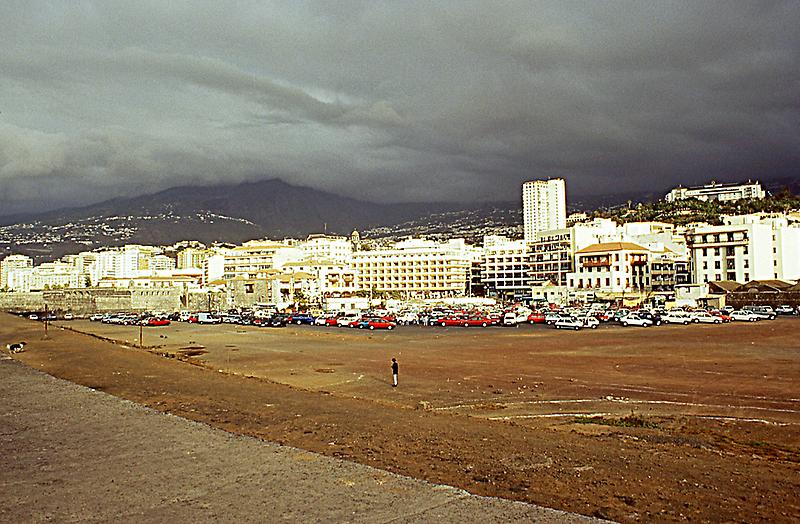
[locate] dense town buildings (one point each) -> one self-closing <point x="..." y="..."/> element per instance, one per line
<point x="587" y="260"/>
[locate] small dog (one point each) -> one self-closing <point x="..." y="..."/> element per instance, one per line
<point x="19" y="347"/>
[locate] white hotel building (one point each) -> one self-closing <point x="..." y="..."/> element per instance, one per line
<point x="417" y="267"/>
<point x="544" y="206"/>
<point x="716" y="191"/>
<point x="745" y="248"/>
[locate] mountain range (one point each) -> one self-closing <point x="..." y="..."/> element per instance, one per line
<point x="268" y="208"/>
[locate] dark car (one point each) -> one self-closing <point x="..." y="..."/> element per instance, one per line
<point x="653" y="317"/>
<point x="273" y="321"/>
<point x="300" y="318"/>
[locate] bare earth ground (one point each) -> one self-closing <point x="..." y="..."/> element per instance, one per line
<point x="491" y="411"/>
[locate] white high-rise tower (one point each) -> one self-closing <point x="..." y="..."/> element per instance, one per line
<point x="544" y="206"/>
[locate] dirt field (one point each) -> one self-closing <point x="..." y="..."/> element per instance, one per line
<point x="698" y="423"/>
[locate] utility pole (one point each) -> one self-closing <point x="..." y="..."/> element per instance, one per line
<point x="140" y="335"/>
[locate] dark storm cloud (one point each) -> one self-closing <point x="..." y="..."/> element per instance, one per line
<point x="394" y="100"/>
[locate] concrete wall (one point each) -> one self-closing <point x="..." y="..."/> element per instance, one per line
<point x="86" y="301"/>
<point x="21" y="302"/>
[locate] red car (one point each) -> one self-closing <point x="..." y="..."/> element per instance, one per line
<point x="476" y="322"/>
<point x="381" y="323"/>
<point x="451" y="321"/>
<point x="152" y="321"/>
<point x="536" y="318"/>
<point x="721" y="315"/>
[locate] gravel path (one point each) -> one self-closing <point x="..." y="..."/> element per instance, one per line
<point x="74" y="454"/>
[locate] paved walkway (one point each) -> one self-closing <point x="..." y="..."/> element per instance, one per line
<point x="73" y="454"/>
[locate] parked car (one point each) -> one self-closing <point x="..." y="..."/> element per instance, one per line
<point x="655" y="318"/>
<point x="785" y="310"/>
<point x="347" y="320"/>
<point x="763" y="312"/>
<point x="744" y="316"/>
<point x="705" y="317"/>
<point x="96" y="317"/>
<point x="725" y="317"/>
<point x="676" y="317"/>
<point x="552" y="318"/>
<point x="300" y="318"/>
<point x="380" y="323"/>
<point x="567" y="322"/>
<point x="728" y="310"/>
<point x="476" y="321"/>
<point x="590" y="322"/>
<point x="633" y="319"/>
<point x="208" y="318"/>
<point x="155" y="322"/>
<point x="536" y="318"/>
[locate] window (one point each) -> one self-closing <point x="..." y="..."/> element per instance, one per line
<point x="717" y="265"/>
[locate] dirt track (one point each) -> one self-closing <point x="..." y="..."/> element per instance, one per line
<point x="497" y="406"/>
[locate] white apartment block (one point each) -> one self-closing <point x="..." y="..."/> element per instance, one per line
<point x="11" y="263"/>
<point x="716" y="191"/>
<point x="506" y="268"/>
<point x="327" y="247"/>
<point x="258" y="259"/>
<point x="417" y="267"/>
<point x="612" y="267"/>
<point x="49" y="275"/>
<point x="191" y="258"/>
<point x="745" y="248"/>
<point x="161" y="263"/>
<point x="544" y="206"/>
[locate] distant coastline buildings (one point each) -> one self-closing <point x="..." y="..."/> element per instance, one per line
<point x="716" y="191"/>
<point x="544" y="206"/>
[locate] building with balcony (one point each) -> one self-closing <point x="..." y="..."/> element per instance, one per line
<point x="612" y="267"/>
<point x="418" y="268"/>
<point x="505" y="270"/>
<point x="551" y="253"/>
<point x="745" y="248"/>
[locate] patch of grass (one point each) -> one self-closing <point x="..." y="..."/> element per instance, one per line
<point x="633" y="420"/>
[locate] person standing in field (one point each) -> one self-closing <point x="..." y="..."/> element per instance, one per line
<point x="395" y="368"/>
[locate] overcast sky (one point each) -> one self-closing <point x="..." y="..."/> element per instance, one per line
<point x="393" y="101"/>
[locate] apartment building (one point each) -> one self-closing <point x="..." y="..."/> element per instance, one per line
<point x="330" y="277"/>
<point x="327" y="247"/>
<point x="551" y="253"/>
<point x="191" y="257"/>
<point x="12" y="263"/>
<point x="49" y="275"/>
<point x="505" y="270"/>
<point x="716" y="191"/>
<point x="544" y="206"/>
<point x="745" y="248"/>
<point x="612" y="267"/>
<point x="417" y="267"/>
<point x="259" y="258"/>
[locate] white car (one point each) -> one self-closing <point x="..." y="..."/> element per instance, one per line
<point x="208" y="318"/>
<point x="676" y="317"/>
<point x="744" y="316"/>
<point x="565" y="322"/>
<point x="96" y="317"/>
<point x="635" y="320"/>
<point x="705" y="317"/>
<point x="347" y="319"/>
<point x="590" y="322"/>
